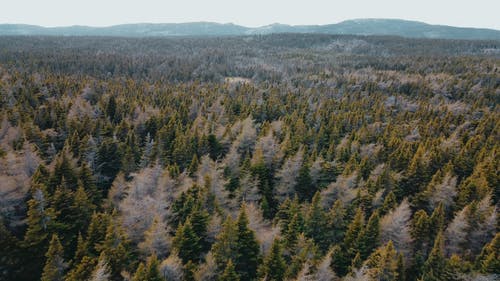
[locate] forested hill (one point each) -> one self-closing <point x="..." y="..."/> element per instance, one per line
<point x="392" y="27"/>
<point x="282" y="157"/>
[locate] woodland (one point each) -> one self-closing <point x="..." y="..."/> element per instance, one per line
<point x="294" y="157"/>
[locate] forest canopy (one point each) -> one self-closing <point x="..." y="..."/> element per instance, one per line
<point x="277" y="157"/>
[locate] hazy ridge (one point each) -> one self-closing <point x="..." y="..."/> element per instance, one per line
<point x="394" y="27"/>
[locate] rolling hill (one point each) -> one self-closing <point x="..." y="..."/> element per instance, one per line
<point x="393" y="27"/>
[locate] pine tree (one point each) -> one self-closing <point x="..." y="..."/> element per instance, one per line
<point x="149" y="271"/>
<point x="340" y="260"/>
<point x="199" y="220"/>
<point x="40" y="219"/>
<point x="293" y="229"/>
<point x="40" y="224"/>
<point x="229" y="273"/>
<point x="353" y="231"/>
<point x="435" y="267"/>
<point x="88" y="183"/>
<point x="489" y="259"/>
<point x="389" y="203"/>
<point x="117" y="249"/>
<point x="274" y="266"/>
<point x="54" y="266"/>
<point x="316" y="223"/>
<point x="82" y="270"/>
<point x="187" y="243"/>
<point x="226" y="244"/>
<point x="111" y="109"/>
<point x="247" y="249"/>
<point x="96" y="233"/>
<point x="383" y="264"/>
<point x="304" y="251"/>
<point x="368" y="239"/>
<point x="108" y="164"/>
<point x="304" y="187"/>
<point x="437" y="220"/>
<point x="336" y="222"/>
<point x="81" y="209"/>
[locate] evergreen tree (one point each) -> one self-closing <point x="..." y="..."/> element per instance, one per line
<point x="40" y="220"/>
<point x="383" y="264"/>
<point x="226" y="244"/>
<point x="54" y="266"/>
<point x="489" y="259"/>
<point x="316" y="223"/>
<point x="40" y="224"/>
<point x="199" y="220"/>
<point x="108" y="164"/>
<point x="389" y="203"/>
<point x="82" y="270"/>
<point x="274" y="266"/>
<point x="81" y="210"/>
<point x="304" y="187"/>
<point x="435" y="267"/>
<point x="187" y="243"/>
<point x="354" y="229"/>
<point x="229" y="273"/>
<point x="111" y="109"/>
<point x="149" y="271"/>
<point x="247" y="249"/>
<point x="336" y="222"/>
<point x="369" y="238"/>
<point x="117" y="249"/>
<point x="96" y="233"/>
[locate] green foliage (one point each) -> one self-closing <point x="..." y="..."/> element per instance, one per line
<point x="187" y="242"/>
<point x="148" y="271"/>
<point x="322" y="145"/>
<point x="229" y="273"/>
<point x="247" y="249"/>
<point x="54" y="266"/>
<point x="274" y="266"/>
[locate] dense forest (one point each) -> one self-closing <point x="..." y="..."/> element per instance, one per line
<point x="277" y="157"/>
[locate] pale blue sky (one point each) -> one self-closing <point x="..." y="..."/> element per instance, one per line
<point x="473" y="13"/>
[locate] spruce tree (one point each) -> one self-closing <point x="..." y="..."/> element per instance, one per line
<point x="54" y="265"/>
<point x="316" y="223"/>
<point x="82" y="270"/>
<point x="336" y="222"/>
<point x="436" y="267"/>
<point x="304" y="187"/>
<point x="383" y="264"/>
<point x="187" y="243"/>
<point x="229" y="273"/>
<point x="148" y="271"/>
<point x="369" y="238"/>
<point x="274" y="266"/>
<point x="489" y="259"/>
<point x="247" y="249"/>
<point x="226" y="244"/>
<point x="117" y="249"/>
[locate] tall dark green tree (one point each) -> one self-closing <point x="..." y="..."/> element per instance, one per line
<point x="436" y="266"/>
<point x="187" y="243"/>
<point x="54" y="266"/>
<point x="274" y="266"/>
<point x="229" y="273"/>
<point x="247" y="249"/>
<point x="148" y="271"/>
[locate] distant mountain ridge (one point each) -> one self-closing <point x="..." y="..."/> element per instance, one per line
<point x="392" y="27"/>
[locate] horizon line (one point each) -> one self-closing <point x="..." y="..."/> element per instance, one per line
<point x="241" y="25"/>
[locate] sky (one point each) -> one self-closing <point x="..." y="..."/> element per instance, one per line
<point x="251" y="13"/>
